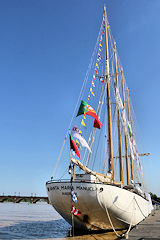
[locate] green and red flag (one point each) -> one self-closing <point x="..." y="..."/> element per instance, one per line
<point x="85" y="108"/>
<point x="74" y="147"/>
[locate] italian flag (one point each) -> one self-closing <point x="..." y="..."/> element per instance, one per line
<point x="74" y="147"/>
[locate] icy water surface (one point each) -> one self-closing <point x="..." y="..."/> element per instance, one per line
<point x="38" y="221"/>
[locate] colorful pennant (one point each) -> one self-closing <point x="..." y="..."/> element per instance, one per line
<point x="92" y="91"/>
<point x="83" y="123"/>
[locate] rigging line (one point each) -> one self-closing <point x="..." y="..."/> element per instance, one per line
<point x="114" y="116"/>
<point x="141" y="177"/>
<point x="106" y="145"/>
<point x="137" y="172"/>
<point x="94" y="131"/>
<point x="59" y="156"/>
<point x="90" y="136"/>
<point x="85" y="80"/>
<point x="119" y="66"/>
<point x="109" y="31"/>
<point x="133" y="126"/>
<point x="89" y="139"/>
<point x="80" y="95"/>
<point x="101" y="131"/>
<point x="86" y="76"/>
<point x="101" y="158"/>
<point x="65" y="172"/>
<point x="140" y="208"/>
<point x="94" y="52"/>
<point x="102" y="101"/>
<point x="96" y="150"/>
<point x="138" y="163"/>
<point x="100" y="63"/>
<point x="98" y="114"/>
<point x="93" y="55"/>
<point x="62" y="148"/>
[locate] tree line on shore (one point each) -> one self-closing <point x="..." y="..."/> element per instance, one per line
<point x="154" y="198"/>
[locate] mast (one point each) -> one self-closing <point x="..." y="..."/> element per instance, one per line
<point x="129" y="118"/>
<point x="107" y="77"/>
<point x="118" y="120"/>
<point x="125" y="136"/>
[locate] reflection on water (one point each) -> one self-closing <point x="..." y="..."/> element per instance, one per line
<point x="37" y="221"/>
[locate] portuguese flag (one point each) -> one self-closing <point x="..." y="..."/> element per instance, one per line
<point x="74" y="147"/>
<point x="85" y="108"/>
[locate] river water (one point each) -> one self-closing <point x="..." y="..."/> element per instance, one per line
<point x="31" y="221"/>
<point x="37" y="221"/>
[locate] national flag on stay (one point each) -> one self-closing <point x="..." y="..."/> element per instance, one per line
<point x="74" y="197"/>
<point x="74" y="147"/>
<point x="85" y="108"/>
<point x="75" y="211"/>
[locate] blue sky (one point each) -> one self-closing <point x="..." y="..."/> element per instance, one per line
<point x="45" y="49"/>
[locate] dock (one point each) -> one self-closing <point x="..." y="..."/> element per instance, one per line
<point x="149" y="229"/>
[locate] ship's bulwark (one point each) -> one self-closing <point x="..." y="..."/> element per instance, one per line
<point x="95" y="202"/>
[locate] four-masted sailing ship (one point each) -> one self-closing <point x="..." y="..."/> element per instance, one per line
<point x="103" y="186"/>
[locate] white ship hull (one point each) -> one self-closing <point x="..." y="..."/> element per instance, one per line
<point x="96" y="201"/>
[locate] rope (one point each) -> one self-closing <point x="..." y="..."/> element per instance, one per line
<point x="124" y="234"/>
<point x="140" y="208"/>
<point x="59" y="156"/>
